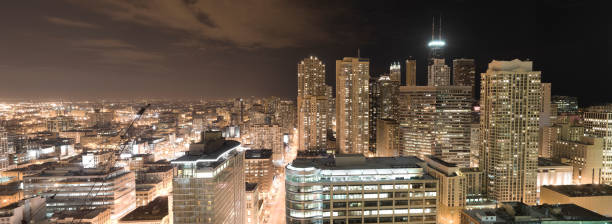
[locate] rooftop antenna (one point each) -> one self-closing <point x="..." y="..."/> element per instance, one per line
<point x="358" y="53"/>
<point x="440" y="33"/>
<point x="433" y="22"/>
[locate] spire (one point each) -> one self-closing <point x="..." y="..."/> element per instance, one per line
<point x="358" y="53"/>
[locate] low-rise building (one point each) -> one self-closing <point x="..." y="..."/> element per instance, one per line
<point x="595" y="197"/>
<point x="29" y="210"/>
<point x="82" y="216"/>
<point x="519" y="213"/>
<point x="553" y="173"/>
<point x="155" y="212"/>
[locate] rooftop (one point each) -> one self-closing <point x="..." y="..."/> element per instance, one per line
<point x="347" y="162"/>
<point x="78" y="214"/>
<point x="516" y="212"/>
<point x="547" y="162"/>
<point x="212" y="152"/>
<point x="250" y="186"/>
<point x="585" y="190"/>
<point x="258" y="154"/>
<point x="155" y="210"/>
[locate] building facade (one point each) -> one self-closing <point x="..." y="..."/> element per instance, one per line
<point x="598" y="123"/>
<point x="313" y="104"/>
<point x="510" y="106"/>
<point x="464" y="73"/>
<point x="208" y="185"/>
<point x="436" y="120"/>
<point x="352" y="105"/>
<point x="355" y="189"/>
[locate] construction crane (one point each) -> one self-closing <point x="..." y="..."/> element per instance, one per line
<point x="108" y="165"/>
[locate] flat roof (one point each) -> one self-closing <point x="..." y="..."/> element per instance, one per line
<point x="80" y="214"/>
<point x="258" y="154"/>
<point x="210" y="153"/>
<point x="557" y="212"/>
<point x="155" y="210"/>
<point x="347" y="162"/>
<point x="548" y="162"/>
<point x="585" y="190"/>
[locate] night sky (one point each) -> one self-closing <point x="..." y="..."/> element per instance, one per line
<point x="229" y="48"/>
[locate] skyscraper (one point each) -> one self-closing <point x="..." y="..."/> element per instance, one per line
<point x="313" y="105"/>
<point x="438" y="73"/>
<point x="436" y="120"/>
<point x="352" y="106"/>
<point x="383" y="103"/>
<point x="208" y="185"/>
<point x="510" y="107"/>
<point x="464" y="73"/>
<point x="410" y="72"/>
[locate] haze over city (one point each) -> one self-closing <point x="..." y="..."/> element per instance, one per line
<point x="305" y="112"/>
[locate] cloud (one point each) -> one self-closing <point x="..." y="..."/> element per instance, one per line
<point x="243" y="23"/>
<point x="71" y="23"/>
<point x="115" y="51"/>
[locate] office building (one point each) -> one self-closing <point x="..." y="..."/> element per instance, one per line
<point x="438" y="73"/>
<point x="259" y="169"/>
<point x="585" y="156"/>
<point x="594" y="197"/>
<point x="208" y="185"/>
<point x="520" y="213"/>
<point x="352" y="105"/>
<point x="313" y="104"/>
<point x="436" y="120"/>
<point x="510" y="106"/>
<point x="383" y="104"/>
<point x="356" y="189"/>
<point x="464" y="73"/>
<point x="60" y="123"/>
<point x="387" y="138"/>
<point x="410" y="72"/>
<point x="597" y="120"/>
<point x="68" y="188"/>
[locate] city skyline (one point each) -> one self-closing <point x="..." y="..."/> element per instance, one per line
<point x="120" y="54"/>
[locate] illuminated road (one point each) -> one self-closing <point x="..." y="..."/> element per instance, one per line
<point x="275" y="211"/>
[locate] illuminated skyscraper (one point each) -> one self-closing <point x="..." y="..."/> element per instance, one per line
<point x="597" y="122"/>
<point x="410" y="72"/>
<point x="209" y="182"/>
<point x="464" y="73"/>
<point x="438" y="73"/>
<point x="313" y="104"/>
<point x="510" y="109"/>
<point x="352" y="104"/>
<point x="436" y="121"/>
